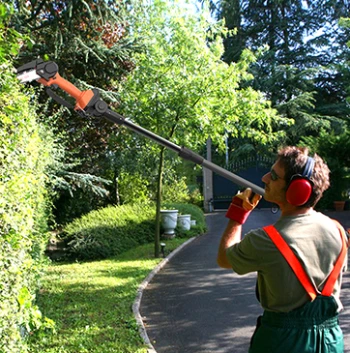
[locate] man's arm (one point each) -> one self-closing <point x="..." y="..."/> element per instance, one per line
<point x="231" y="235"/>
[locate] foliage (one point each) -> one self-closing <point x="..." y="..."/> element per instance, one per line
<point x="176" y="190"/>
<point x="181" y="85"/>
<point x="133" y="188"/>
<point x="335" y="150"/>
<point x="23" y="202"/>
<point x="75" y="194"/>
<point x="87" y="38"/>
<point x="181" y="90"/>
<point x="91" y="43"/>
<point x="109" y="231"/>
<point x="302" y="63"/>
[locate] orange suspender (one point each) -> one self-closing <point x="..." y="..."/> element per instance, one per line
<point x="299" y="271"/>
<point x="292" y="260"/>
<point x="328" y="287"/>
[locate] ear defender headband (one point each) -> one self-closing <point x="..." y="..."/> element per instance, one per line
<point x="300" y="186"/>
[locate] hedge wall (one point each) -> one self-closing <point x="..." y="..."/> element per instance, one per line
<point x="23" y="158"/>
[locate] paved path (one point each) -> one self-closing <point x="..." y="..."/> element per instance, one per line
<point x="193" y="306"/>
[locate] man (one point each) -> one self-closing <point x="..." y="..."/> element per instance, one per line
<point x="299" y="260"/>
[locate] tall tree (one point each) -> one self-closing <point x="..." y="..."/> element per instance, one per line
<point x="183" y="91"/>
<point x="298" y="69"/>
<point x="91" y="43"/>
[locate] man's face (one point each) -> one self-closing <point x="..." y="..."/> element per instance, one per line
<point x="275" y="185"/>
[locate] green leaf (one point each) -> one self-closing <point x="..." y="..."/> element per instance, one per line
<point x="24" y="297"/>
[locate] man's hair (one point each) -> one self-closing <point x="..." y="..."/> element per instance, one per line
<point x="294" y="160"/>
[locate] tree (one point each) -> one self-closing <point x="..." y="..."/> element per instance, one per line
<point x="91" y="43"/>
<point x="299" y="69"/>
<point x="335" y="150"/>
<point x="182" y="90"/>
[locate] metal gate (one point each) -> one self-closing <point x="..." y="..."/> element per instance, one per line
<point x="249" y="169"/>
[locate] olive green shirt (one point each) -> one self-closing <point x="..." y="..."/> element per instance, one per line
<point x="315" y="240"/>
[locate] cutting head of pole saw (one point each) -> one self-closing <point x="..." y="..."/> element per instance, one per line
<point x="46" y="73"/>
<point x="36" y="70"/>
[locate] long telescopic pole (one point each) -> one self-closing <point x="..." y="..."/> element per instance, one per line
<point x="183" y="152"/>
<point x="89" y="102"/>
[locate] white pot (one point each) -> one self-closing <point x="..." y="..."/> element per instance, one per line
<point x="193" y="222"/>
<point x="169" y="221"/>
<point x="184" y="221"/>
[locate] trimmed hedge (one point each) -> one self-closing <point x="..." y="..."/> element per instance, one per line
<point x="23" y="160"/>
<point x="110" y="231"/>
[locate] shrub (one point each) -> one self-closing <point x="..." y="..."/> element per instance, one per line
<point x="133" y="188"/>
<point x="175" y="190"/>
<point x="109" y="231"/>
<point x="23" y="160"/>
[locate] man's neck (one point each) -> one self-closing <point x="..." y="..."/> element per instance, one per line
<point x="289" y="210"/>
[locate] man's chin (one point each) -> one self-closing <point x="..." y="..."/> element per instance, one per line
<point x="266" y="193"/>
<point x="266" y="197"/>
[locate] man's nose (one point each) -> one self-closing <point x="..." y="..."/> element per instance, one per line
<point x="266" y="178"/>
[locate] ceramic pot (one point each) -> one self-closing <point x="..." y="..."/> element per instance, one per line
<point x="184" y="221"/>
<point x="169" y="221"/>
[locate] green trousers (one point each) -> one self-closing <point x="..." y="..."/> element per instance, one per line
<point x="313" y="328"/>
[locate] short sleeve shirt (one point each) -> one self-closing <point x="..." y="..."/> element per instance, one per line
<point x="315" y="240"/>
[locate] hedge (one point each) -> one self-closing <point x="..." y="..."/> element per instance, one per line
<point x="110" y="231"/>
<point x="23" y="159"/>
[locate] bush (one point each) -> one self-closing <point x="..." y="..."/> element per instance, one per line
<point x="24" y="157"/>
<point x="133" y="188"/>
<point x="109" y="231"/>
<point x="175" y="190"/>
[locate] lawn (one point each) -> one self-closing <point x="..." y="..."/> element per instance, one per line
<point x="91" y="303"/>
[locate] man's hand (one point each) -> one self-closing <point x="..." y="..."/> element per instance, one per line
<point x="242" y="204"/>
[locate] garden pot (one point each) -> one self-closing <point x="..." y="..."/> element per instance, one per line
<point x="193" y="222"/>
<point x="339" y="205"/>
<point x="169" y="221"/>
<point x="184" y="221"/>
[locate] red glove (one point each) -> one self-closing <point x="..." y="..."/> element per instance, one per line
<point x="241" y="206"/>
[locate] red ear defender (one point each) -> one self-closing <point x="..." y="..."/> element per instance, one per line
<point x="299" y="192"/>
<point x="300" y="186"/>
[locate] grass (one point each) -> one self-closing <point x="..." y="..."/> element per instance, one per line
<point x="91" y="303"/>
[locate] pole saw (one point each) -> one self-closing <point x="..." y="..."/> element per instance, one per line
<point x="89" y="103"/>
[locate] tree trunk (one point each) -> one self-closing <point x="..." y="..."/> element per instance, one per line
<point x="158" y="202"/>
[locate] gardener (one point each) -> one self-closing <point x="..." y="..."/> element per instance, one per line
<point x="299" y="259"/>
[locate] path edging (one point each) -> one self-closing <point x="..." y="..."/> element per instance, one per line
<point x="142" y="286"/>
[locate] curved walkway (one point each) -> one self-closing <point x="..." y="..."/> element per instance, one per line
<point x="190" y="305"/>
